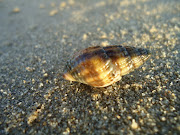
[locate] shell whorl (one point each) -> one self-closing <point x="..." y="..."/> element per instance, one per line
<point x="103" y="66"/>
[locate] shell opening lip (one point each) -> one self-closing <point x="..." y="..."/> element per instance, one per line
<point x="68" y="76"/>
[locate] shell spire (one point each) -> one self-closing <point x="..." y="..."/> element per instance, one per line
<point x="103" y="66"/>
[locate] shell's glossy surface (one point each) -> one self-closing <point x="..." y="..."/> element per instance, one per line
<point x="103" y="66"/>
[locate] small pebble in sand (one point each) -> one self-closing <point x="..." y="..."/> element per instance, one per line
<point x="16" y="10"/>
<point x="134" y="125"/>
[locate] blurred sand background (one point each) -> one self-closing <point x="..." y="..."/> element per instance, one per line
<point x="37" y="38"/>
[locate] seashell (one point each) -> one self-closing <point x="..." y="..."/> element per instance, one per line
<point x="102" y="66"/>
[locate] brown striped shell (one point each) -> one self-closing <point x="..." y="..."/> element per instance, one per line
<point x="103" y="66"/>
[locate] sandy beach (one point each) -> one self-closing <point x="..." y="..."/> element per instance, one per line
<point x="38" y="37"/>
